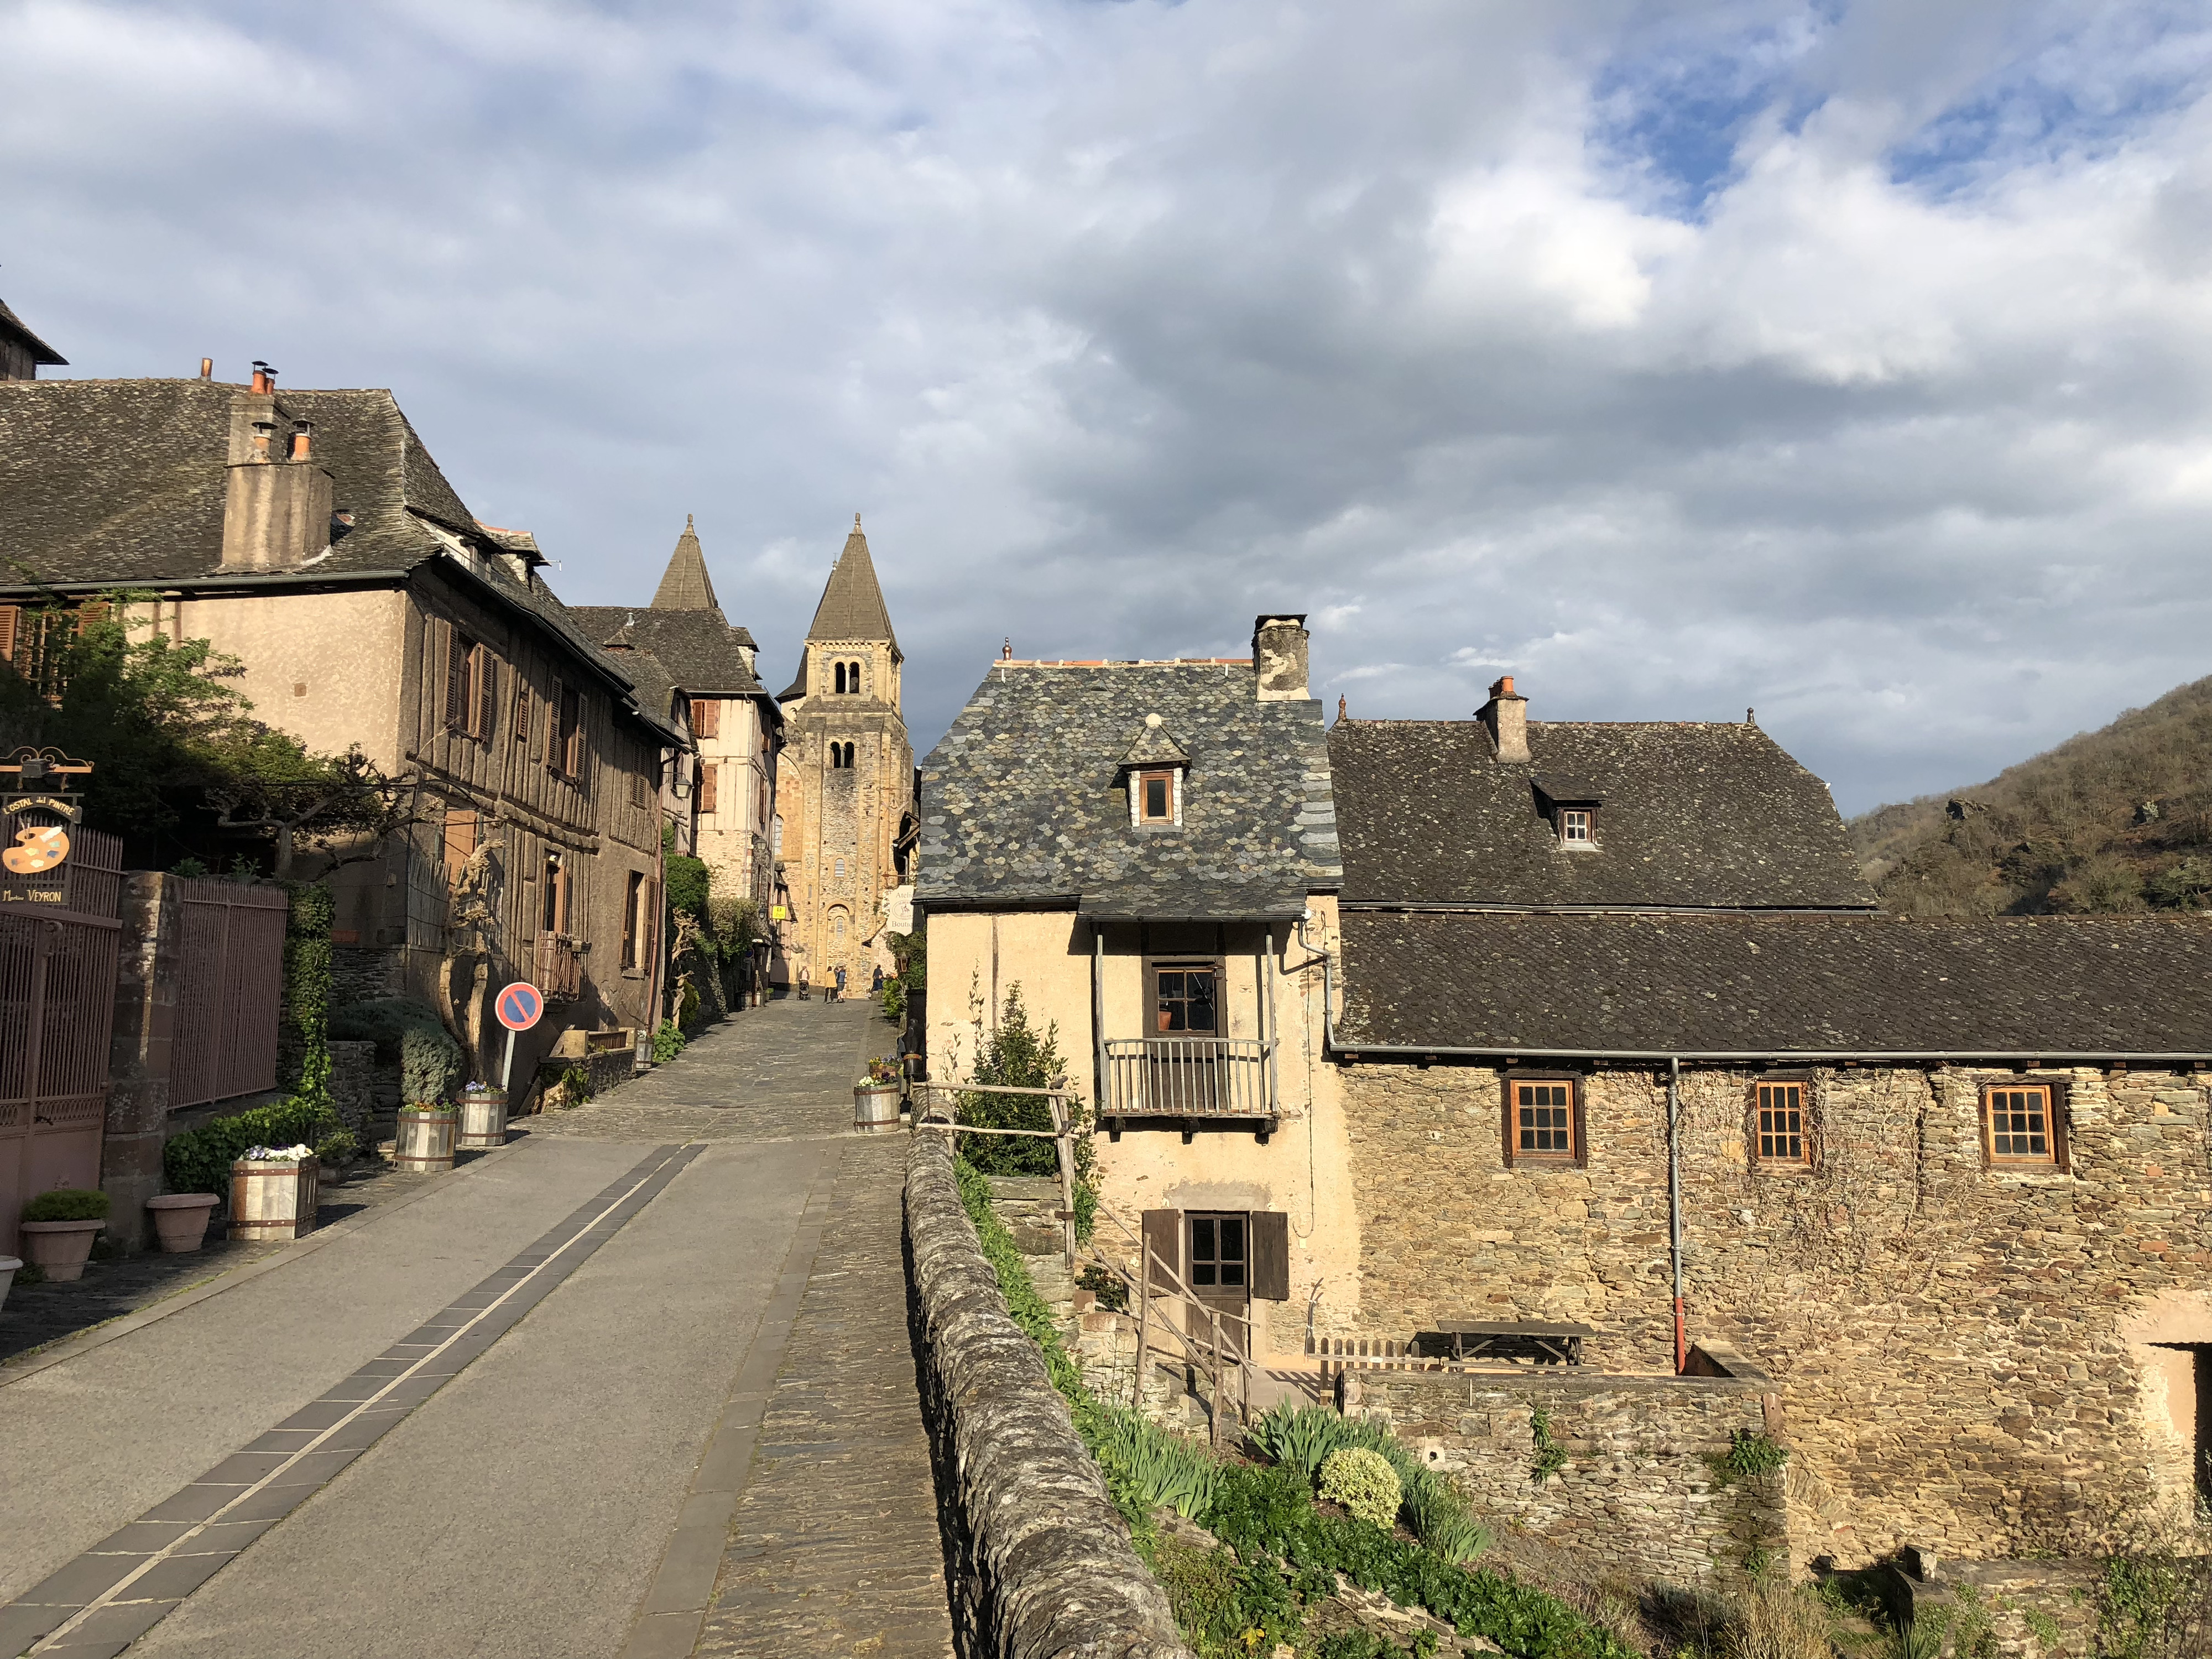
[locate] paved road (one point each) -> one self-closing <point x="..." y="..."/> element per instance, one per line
<point x="543" y="1409"/>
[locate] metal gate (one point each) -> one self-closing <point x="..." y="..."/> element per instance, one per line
<point x="56" y="1011"/>
<point x="230" y="991"/>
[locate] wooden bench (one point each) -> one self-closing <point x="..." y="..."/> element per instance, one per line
<point x="1523" y="1342"/>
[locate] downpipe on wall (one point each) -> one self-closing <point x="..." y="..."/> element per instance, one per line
<point x="1674" y="1204"/>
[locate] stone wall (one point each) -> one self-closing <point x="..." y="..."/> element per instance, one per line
<point x="1640" y="1494"/>
<point x="1987" y="1362"/>
<point x="1042" y="1562"/>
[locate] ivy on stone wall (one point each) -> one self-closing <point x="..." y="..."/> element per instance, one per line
<point x="307" y="986"/>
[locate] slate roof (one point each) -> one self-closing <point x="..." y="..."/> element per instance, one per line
<point x="1777" y="985"/>
<point x="685" y="584"/>
<point x="852" y="605"/>
<point x="698" y="648"/>
<point x="1020" y="802"/>
<point x="40" y="351"/>
<point x="1693" y="814"/>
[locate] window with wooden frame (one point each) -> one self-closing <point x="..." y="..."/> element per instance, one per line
<point x="1781" y="1125"/>
<point x="1219" y="1252"/>
<point x="460" y="680"/>
<point x="522" y="715"/>
<point x="556" y="896"/>
<point x="1578" y="827"/>
<point x="707" y="788"/>
<point x="1543" y="1119"/>
<point x="1186" y="997"/>
<point x="2023" y="1125"/>
<point x="1156" y="796"/>
<point x="633" y="920"/>
<point x="707" y="717"/>
<point x="564" y="746"/>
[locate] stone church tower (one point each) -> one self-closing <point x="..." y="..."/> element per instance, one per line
<point x="845" y="782"/>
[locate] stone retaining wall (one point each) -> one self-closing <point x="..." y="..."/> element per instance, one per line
<point x="1639" y="1493"/>
<point x="1040" y="1561"/>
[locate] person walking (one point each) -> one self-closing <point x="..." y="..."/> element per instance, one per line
<point x="802" y="983"/>
<point x="840" y="996"/>
<point x="876" y="988"/>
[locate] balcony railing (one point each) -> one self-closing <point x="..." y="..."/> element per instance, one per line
<point x="1186" y="1076"/>
<point x="559" y="967"/>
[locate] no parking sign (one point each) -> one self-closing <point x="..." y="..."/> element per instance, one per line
<point x="520" y="1006"/>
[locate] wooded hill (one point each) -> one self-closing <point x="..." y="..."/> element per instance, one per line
<point x="2112" y="821"/>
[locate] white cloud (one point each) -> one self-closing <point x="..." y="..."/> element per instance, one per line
<point x="1850" y="362"/>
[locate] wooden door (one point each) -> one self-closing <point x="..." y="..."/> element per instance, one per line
<point x="1185" y="1075"/>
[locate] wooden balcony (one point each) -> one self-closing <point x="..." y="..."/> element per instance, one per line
<point x="1189" y="1080"/>
<point x="558" y="968"/>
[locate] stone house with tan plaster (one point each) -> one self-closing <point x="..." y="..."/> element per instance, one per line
<point x="1597" y="1030"/>
<point x="310" y="535"/>
<point x="843" y="832"/>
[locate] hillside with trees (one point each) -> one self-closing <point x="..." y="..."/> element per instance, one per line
<point x="2110" y="822"/>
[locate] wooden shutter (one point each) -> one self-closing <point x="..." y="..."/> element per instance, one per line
<point x="487" y="693"/>
<point x="522" y="714"/>
<point x="707" y="788"/>
<point x="11" y="622"/>
<point x="707" y="717"/>
<point x="555" y="706"/>
<point x="1271" y="1255"/>
<point x="1163" y="1233"/>
<point x="92" y="615"/>
<point x="630" y="906"/>
<point x="456" y="679"/>
<point x="651" y="924"/>
<point x="460" y="841"/>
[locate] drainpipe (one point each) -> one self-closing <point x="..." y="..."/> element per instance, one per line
<point x="1327" y="984"/>
<point x="1267" y="1024"/>
<point x="1098" y="1015"/>
<point x="1675" y="1202"/>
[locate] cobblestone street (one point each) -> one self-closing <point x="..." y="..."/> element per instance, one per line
<point x="638" y="1385"/>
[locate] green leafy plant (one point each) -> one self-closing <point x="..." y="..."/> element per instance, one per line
<point x="1153" y="1466"/>
<point x="431" y="1064"/>
<point x="1299" y="1438"/>
<point x="1550" y="1456"/>
<point x="1109" y="1287"/>
<point x="1014" y="1054"/>
<point x="200" y="1161"/>
<point x="1442" y="1522"/>
<point x="883" y="1071"/>
<point x="337" y="1147"/>
<point x="67" y="1204"/>
<point x="1750" y="1455"/>
<point x="576" y="1086"/>
<point x="1364" y="1482"/>
<point x="668" y="1041"/>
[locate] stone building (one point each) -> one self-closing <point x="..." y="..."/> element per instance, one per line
<point x="310" y="535"/>
<point x="1609" y="1013"/>
<point x="22" y="353"/>
<point x="724" y="804"/>
<point x="843" y="831"/>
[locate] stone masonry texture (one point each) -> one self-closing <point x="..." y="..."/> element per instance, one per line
<point x="1962" y="1358"/>
<point x="1044" y="1565"/>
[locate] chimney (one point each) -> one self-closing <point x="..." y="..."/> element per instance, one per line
<point x="207" y="368"/>
<point x="1279" y="655"/>
<point x="277" y="501"/>
<point x="1506" y="714"/>
<point x="265" y="379"/>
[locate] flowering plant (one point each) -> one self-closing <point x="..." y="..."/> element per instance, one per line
<point x="425" y="1106"/>
<point x="296" y="1154"/>
<point x="884" y="1070"/>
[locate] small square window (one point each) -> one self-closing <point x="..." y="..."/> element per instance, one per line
<point x="2019" y="1120"/>
<point x="1541" y="1124"/>
<point x="1574" y="826"/>
<point x="1156" y="798"/>
<point x="1780" y="1133"/>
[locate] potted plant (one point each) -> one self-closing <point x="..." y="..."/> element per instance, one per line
<point x="483" y="1117"/>
<point x="8" y="1267"/>
<point x="876" y="1098"/>
<point x="58" y="1228"/>
<point x="180" y="1220"/>
<point x="275" y="1192"/>
<point x="425" y="1140"/>
<point x="334" y="1152"/>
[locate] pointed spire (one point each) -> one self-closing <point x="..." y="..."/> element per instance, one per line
<point x="852" y="605"/>
<point x="685" y="584"/>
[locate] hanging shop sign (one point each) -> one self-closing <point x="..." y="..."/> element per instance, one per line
<point x="39" y="815"/>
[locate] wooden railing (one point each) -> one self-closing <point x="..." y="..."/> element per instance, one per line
<point x="1186" y="1076"/>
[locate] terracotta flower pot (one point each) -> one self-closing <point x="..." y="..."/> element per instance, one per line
<point x="181" y="1219"/>
<point x="59" y="1249"/>
<point x="273" y="1202"/>
<point x="7" y="1265"/>
<point x="424" y="1142"/>
<point x="484" y="1120"/>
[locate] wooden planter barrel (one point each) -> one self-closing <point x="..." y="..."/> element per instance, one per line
<point x="875" y="1107"/>
<point x="483" y="1121"/>
<point x="273" y="1200"/>
<point x="425" y="1141"/>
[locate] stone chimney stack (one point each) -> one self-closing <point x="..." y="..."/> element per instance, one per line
<point x="1506" y="714"/>
<point x="276" y="505"/>
<point x="1279" y="656"/>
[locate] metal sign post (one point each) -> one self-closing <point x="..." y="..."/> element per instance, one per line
<point x="519" y="1007"/>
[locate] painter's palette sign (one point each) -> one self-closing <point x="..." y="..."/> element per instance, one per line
<point x="39" y="818"/>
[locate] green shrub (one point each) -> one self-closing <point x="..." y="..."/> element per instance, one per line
<point x="1015" y="1054"/>
<point x="200" y="1161"/>
<point x="1364" y="1482"/>
<point x="1110" y="1288"/>
<point x="1750" y="1453"/>
<point x="336" y="1148"/>
<point x="668" y="1043"/>
<point x="1223" y="1605"/>
<point x="1152" y="1465"/>
<point x="431" y="1063"/>
<point x="1300" y="1440"/>
<point x="67" y="1204"/>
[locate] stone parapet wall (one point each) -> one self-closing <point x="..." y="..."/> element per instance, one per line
<point x="1980" y="1361"/>
<point x="1042" y="1562"/>
<point x="1640" y="1493"/>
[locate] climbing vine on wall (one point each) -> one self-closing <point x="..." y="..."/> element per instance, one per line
<point x="307" y="985"/>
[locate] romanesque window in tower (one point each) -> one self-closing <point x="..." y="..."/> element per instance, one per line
<point x="841" y="756"/>
<point x="841" y="678"/>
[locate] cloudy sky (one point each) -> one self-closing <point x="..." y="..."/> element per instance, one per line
<point x="1852" y="359"/>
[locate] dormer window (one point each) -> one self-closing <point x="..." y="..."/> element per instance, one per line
<point x="1571" y="805"/>
<point x="1156" y="797"/>
<point x="1153" y="766"/>
<point x="1574" y="826"/>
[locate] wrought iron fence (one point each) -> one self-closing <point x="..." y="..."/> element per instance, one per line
<point x="230" y="991"/>
<point x="1186" y="1077"/>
